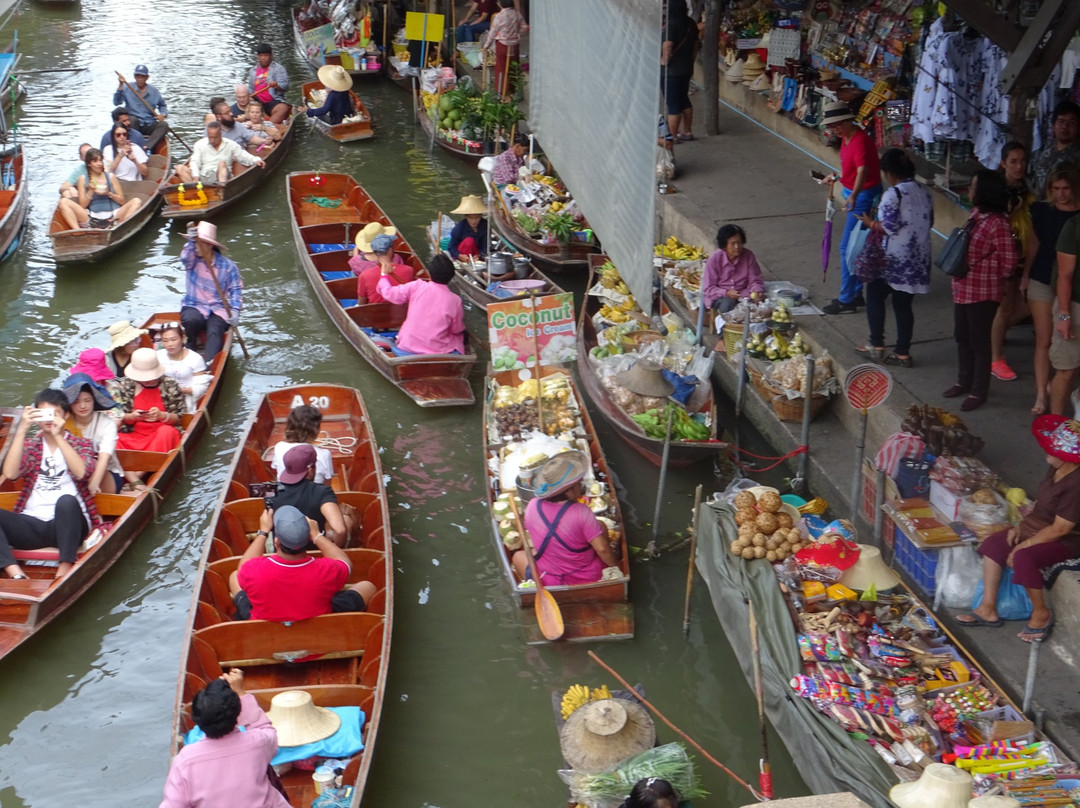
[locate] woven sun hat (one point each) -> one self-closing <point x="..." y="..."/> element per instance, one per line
<point x="735" y="72"/>
<point x="940" y="786"/>
<point x="753" y="65"/>
<point x="646" y="378"/>
<point x="370" y="231"/>
<point x="335" y="77"/>
<point x="1058" y="436"/>
<point x="92" y="363"/>
<point x="123" y="332"/>
<point x="870" y="571"/>
<point x="470" y="203"/>
<point x="559" y="473"/>
<point x="77" y="382"/>
<point x="299" y="721"/>
<point x="145" y="366"/>
<point x="835" y="112"/>
<point x="602" y="733"/>
<point x="994" y="801"/>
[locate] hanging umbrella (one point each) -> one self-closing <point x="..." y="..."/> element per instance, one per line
<point x="826" y="239"/>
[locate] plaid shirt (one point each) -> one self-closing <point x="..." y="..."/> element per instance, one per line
<point x="31" y="468"/>
<point x="201" y="292"/>
<point x="991" y="256"/>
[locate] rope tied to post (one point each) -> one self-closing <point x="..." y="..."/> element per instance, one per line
<point x="733" y="454"/>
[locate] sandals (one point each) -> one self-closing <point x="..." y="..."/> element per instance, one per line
<point x="871" y="352"/>
<point x="896" y="359"/>
<point x="1031" y="634"/>
<point x="973" y="620"/>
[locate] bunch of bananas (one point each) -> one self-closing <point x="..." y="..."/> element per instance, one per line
<point x="654" y="423"/>
<point x="579" y="695"/>
<point x="611" y="279"/>
<point x="816" y="506"/>
<point x="678" y="251"/>
<point x="430" y="99"/>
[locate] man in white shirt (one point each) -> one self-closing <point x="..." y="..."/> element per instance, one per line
<point x="212" y="158"/>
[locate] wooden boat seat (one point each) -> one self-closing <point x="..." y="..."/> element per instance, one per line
<point x="378" y="315"/>
<point x="154" y="173"/>
<point x="139" y="461"/>
<point x="343" y="288"/>
<point x="159" y="161"/>
<point x="339" y="232"/>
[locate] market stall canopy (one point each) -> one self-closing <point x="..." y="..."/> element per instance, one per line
<point x="594" y="87"/>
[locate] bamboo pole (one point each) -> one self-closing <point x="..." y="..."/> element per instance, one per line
<point x="690" y="567"/>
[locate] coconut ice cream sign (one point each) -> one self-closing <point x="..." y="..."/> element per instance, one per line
<point x="519" y="329"/>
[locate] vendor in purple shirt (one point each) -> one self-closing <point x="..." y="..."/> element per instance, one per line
<point x="510" y="161"/>
<point x="732" y="272"/>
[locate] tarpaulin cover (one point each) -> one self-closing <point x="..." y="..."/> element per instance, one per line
<point x="828" y="759"/>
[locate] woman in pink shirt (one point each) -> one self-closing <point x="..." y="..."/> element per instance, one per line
<point x="228" y="767"/>
<point x="435" y="322"/>
<point x="732" y="272"/>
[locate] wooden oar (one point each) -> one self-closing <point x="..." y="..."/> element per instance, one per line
<point x="145" y="104"/>
<point x="690" y="568"/>
<point x="548" y="614"/>
<point x="765" y="775"/>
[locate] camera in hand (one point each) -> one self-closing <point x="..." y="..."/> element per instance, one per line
<point x="267" y="490"/>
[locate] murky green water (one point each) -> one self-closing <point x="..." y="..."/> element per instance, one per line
<point x="86" y="708"/>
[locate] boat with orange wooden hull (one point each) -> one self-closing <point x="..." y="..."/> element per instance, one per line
<point x="593" y="611"/>
<point x="570" y="256"/>
<point x="345" y="132"/>
<point x="307" y="34"/>
<point x="324" y="239"/>
<point x="93" y="244"/>
<point x="27" y="606"/>
<point x="341" y="659"/>
<point x="471" y="151"/>
<point x="220" y="196"/>
<point x="680" y="452"/>
<point x="14" y="199"/>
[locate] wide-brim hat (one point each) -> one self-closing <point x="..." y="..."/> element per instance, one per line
<point x="760" y="83"/>
<point x="77" y="382"/>
<point x="92" y="363"/>
<point x="298" y="720"/>
<point x="335" y="77"/>
<point x="370" y="231"/>
<point x="602" y="733"/>
<point x="754" y="63"/>
<point x="123" y="332"/>
<point x="646" y="378"/>
<point x="559" y="473"/>
<point x="144" y="366"/>
<point x="870" y="571"/>
<point x="994" y="801"/>
<point x="835" y="112"/>
<point x="939" y="785"/>
<point x="735" y="72"/>
<point x="470" y="204"/>
<point x="205" y="231"/>
<point x="1058" y="436"/>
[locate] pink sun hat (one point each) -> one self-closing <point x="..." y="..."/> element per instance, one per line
<point x="92" y="363"/>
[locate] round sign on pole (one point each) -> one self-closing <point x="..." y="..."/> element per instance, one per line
<point x="867" y="386"/>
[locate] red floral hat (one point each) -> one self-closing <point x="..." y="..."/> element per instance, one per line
<point x="1058" y="436"/>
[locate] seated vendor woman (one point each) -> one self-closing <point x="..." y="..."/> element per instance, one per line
<point x="374" y="251"/>
<point x="470" y="235"/>
<point x="571" y="544"/>
<point x="1047" y="536"/>
<point x="55" y="507"/>
<point x="732" y="272"/>
<point x="338" y="104"/>
<point x="435" y="321"/>
<point x="152" y="404"/>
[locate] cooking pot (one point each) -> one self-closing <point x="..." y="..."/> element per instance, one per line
<point x="521" y="268"/>
<point x="498" y="264"/>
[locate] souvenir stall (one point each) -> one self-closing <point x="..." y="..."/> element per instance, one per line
<point x="341" y="32"/>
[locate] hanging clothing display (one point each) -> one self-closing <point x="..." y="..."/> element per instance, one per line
<point x="922" y="102"/>
<point x="992" y="133"/>
<point x="951" y="116"/>
<point x="1048" y="99"/>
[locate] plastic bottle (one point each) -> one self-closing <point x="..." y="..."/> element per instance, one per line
<point x="363" y="63"/>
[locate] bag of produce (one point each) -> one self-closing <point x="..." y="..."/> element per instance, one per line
<point x="985" y="512"/>
<point x="608" y="789"/>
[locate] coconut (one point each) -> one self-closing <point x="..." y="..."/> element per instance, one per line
<point x="745" y="499"/>
<point x="759" y="540"/>
<point x="744" y="515"/>
<point x="772" y="556"/>
<point x="796" y="546"/>
<point x="766" y="523"/>
<point x="748" y="553"/>
<point x="769" y="502"/>
<point x="735" y="548"/>
<point x="785" y="519"/>
<point x="759" y="552"/>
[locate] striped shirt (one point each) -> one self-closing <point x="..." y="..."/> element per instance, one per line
<point x="201" y="292"/>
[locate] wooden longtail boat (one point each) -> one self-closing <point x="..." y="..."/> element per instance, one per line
<point x="324" y="239"/>
<point x="93" y="244"/>
<point x="473" y="154"/>
<point x="342" y="132"/>
<point x="244" y="180"/>
<point x="681" y="452"/>
<point x="591" y="612"/>
<point x="14" y="199"/>
<point x="316" y="57"/>
<point x="28" y="606"/>
<point x="340" y="659"/>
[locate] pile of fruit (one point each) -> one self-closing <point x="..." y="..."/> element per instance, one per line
<point x="676" y="250"/>
<point x="943" y="432"/>
<point x="764" y="530"/>
<point x="515" y="410"/>
<point x="683" y="426"/>
<point x="775" y="346"/>
<point x="619" y="302"/>
<point x="579" y="695"/>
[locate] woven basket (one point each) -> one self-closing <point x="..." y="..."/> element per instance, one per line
<point x="732" y="337"/>
<point x="791" y="409"/>
<point x="761" y="384"/>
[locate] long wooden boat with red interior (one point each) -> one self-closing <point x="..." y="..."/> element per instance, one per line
<point x="593" y="611"/>
<point x="681" y="452"/>
<point x="340" y="659"/>
<point x="312" y="51"/>
<point x="27" y="606"/>
<point x="93" y="244"/>
<point x="14" y="199"/>
<point x="324" y="239"/>
<point x="219" y="196"/>
<point x="345" y="132"/>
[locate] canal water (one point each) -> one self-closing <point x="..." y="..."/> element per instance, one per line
<point x="86" y="708"/>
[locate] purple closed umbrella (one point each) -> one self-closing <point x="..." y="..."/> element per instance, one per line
<point x="826" y="239"/>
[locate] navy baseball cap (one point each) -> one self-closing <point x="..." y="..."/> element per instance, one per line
<point x="140" y="70"/>
<point x="291" y="528"/>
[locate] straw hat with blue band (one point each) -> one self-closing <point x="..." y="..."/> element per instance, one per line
<point x="560" y="473"/>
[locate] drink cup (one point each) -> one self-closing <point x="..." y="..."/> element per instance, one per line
<point x="323" y="778"/>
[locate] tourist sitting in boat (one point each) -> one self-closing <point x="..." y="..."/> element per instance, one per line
<point x="435" y="321"/>
<point x="123" y="117"/>
<point x="145" y="105"/>
<point x="338" y="104"/>
<point x="152" y="404"/>
<point x="208" y="273"/>
<point x="122" y="157"/>
<point x="257" y="123"/>
<point x="371" y="258"/>
<point x="510" y="162"/>
<point x="732" y="272"/>
<point x="570" y="543"/>
<point x="243" y="101"/>
<point x="94" y="364"/>
<point x="302" y="427"/>
<point x="314" y="500"/>
<point x="268" y="82"/>
<point x="124" y="341"/>
<point x="212" y="158"/>
<point x="55" y="507"/>
<point x="230" y="766"/>
<point x="69" y="187"/>
<point x="91" y="417"/>
<point x="182" y="364"/>
<point x="100" y="202"/>
<point x="1048" y="535"/>
<point x="470" y="235"/>
<point x="210" y="116"/>
<point x="236" y="132"/>
<point x="292" y="585"/>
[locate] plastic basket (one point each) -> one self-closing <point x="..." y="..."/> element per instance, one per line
<point x="920" y="565"/>
<point x="732" y="337"/>
<point x="791" y="409"/>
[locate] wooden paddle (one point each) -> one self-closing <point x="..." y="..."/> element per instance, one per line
<point x="145" y="104"/>
<point x="548" y="615"/>
<point x="765" y="772"/>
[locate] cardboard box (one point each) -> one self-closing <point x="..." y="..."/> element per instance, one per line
<point x="946" y="502"/>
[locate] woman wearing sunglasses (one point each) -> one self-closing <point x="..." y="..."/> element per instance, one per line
<point x="122" y="157"/>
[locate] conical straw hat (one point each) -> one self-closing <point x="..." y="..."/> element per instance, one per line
<point x="602" y="733"/>
<point x="735" y="72"/>
<point x="939" y="786"/>
<point x="869" y="570"/>
<point x="470" y="203"/>
<point x="646" y="378"/>
<point x="298" y="721"/>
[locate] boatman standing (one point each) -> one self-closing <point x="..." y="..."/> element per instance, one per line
<point x="149" y="117"/>
<point x="210" y="276"/>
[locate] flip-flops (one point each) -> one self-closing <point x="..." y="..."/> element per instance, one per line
<point x="974" y="621"/>
<point x="1030" y="634"/>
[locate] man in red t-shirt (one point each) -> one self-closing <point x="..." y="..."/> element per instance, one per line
<point x="290" y="584"/>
